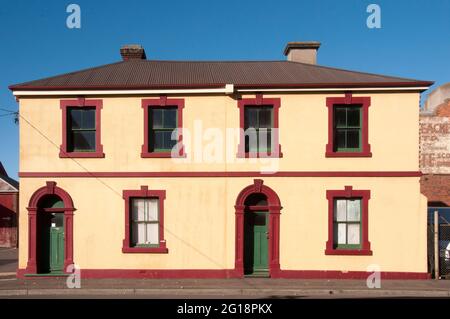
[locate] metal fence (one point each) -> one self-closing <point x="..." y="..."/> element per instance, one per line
<point x="439" y="242"/>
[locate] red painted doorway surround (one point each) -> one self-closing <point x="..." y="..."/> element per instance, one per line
<point x="274" y="207"/>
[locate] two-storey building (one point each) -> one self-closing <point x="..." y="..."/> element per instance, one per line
<point x="287" y="169"/>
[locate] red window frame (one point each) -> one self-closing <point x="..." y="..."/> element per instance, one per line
<point x="163" y="101"/>
<point x="144" y="192"/>
<point x="349" y="192"/>
<point x="82" y="102"/>
<point x="349" y="100"/>
<point x="259" y="100"/>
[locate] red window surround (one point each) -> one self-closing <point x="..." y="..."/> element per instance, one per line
<point x="349" y="100"/>
<point x="349" y="192"/>
<point x="258" y="101"/>
<point x="163" y="101"/>
<point x="144" y="192"/>
<point x="82" y="102"/>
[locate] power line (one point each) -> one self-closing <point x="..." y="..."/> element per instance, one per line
<point x="117" y="193"/>
<point x="11" y="114"/>
<point x="74" y="160"/>
<point x="7" y="110"/>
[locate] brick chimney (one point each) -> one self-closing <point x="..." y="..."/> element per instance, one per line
<point x="305" y="52"/>
<point x="132" y="52"/>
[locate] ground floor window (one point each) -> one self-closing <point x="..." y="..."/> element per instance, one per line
<point x="348" y="222"/>
<point x="144" y="221"/>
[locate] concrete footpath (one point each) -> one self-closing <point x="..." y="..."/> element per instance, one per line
<point x="221" y="288"/>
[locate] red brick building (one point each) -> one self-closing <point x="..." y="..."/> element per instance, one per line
<point x="435" y="147"/>
<point x="9" y="201"/>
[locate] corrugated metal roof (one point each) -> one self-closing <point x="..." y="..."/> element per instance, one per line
<point x="150" y="73"/>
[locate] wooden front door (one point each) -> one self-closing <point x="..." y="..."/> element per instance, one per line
<point x="256" y="242"/>
<point x="51" y="259"/>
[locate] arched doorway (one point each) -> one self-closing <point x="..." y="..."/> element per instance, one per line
<point x="257" y="231"/>
<point x="50" y="233"/>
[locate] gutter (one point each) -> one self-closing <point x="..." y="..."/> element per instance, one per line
<point x="223" y="89"/>
<point x="21" y="90"/>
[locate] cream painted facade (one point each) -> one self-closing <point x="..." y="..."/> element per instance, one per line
<point x="199" y="212"/>
<point x="303" y="121"/>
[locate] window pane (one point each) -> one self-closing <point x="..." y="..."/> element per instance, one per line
<point x="353" y="234"/>
<point x="259" y="219"/>
<point x="251" y="140"/>
<point x="138" y="209"/>
<point x="339" y="139"/>
<point x="75" y="119"/>
<point x="353" y="210"/>
<point x="340" y="117"/>
<point x="156" y="118"/>
<point x="152" y="234"/>
<point x="264" y="139"/>
<point x="152" y="209"/>
<point x="169" y="143"/>
<point x="340" y="210"/>
<point x="88" y="119"/>
<point x="158" y="140"/>
<point x="84" y="140"/>
<point x="265" y="117"/>
<point x="353" y="116"/>
<point x="170" y="118"/>
<point x="250" y="117"/>
<point x="138" y="233"/>
<point x="353" y="139"/>
<point x="342" y="234"/>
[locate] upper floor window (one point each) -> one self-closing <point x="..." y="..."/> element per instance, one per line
<point x="163" y="122"/>
<point x="81" y="128"/>
<point x="259" y="136"/>
<point x="258" y="129"/>
<point x="163" y="127"/>
<point x="348" y="127"/>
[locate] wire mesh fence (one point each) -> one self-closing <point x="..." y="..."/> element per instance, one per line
<point x="443" y="244"/>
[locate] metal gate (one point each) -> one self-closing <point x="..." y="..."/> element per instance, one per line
<point x="439" y="242"/>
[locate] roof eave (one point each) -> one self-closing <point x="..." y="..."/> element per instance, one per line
<point x="220" y="85"/>
<point x="341" y="85"/>
<point x="20" y="87"/>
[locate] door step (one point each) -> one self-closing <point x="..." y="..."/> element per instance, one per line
<point x="258" y="274"/>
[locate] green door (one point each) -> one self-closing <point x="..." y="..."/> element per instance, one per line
<point x="57" y="243"/>
<point x="256" y="244"/>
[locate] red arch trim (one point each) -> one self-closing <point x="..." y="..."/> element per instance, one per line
<point x="274" y="206"/>
<point x="33" y="210"/>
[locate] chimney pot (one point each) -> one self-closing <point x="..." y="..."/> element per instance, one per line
<point x="132" y="52"/>
<point x="304" y="52"/>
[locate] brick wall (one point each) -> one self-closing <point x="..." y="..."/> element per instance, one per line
<point x="444" y="109"/>
<point x="435" y="156"/>
<point x="436" y="188"/>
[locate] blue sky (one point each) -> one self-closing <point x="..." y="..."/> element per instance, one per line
<point x="414" y="40"/>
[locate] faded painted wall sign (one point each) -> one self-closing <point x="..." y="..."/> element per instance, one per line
<point x="435" y="145"/>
